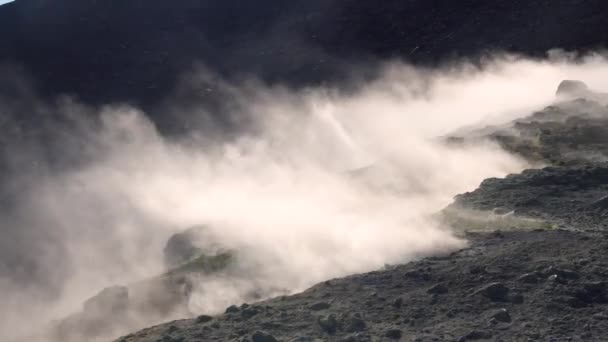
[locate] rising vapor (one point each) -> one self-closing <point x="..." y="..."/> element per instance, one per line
<point x="314" y="184"/>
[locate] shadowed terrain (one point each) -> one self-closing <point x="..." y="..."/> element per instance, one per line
<point x="136" y="50"/>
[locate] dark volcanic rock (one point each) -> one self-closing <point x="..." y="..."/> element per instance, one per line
<point x="438" y="289"/>
<point x="563" y="196"/>
<point x="203" y="319"/>
<point x="260" y="336"/>
<point x="550" y="311"/>
<point x="183" y="247"/>
<point x="232" y="309"/>
<point x="497" y="292"/>
<point x="320" y="306"/>
<point x="530" y="278"/>
<point x="573" y="130"/>
<point x="394" y="334"/>
<point x="502" y="315"/>
<point x="328" y="323"/>
<point x="476" y="335"/>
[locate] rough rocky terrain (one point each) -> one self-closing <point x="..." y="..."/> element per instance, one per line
<point x="149" y="301"/>
<point x="534" y="271"/>
<point x="511" y="286"/>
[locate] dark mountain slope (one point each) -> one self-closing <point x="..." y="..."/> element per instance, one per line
<point x="134" y="50"/>
<point x="515" y="286"/>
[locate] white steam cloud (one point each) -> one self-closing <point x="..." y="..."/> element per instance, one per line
<point x="324" y="185"/>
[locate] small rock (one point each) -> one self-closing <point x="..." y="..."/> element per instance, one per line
<point x="355" y="324"/>
<point x="496" y="292"/>
<point x="600" y="317"/>
<point x="249" y="312"/>
<point x="516" y="298"/>
<point x="418" y="275"/>
<point x="575" y="303"/>
<point x="555" y="279"/>
<point x="595" y="289"/>
<point x="476" y="335"/>
<point x="203" y="319"/>
<point x="232" y="309"/>
<point x="319" y="306"/>
<point x="394" y="334"/>
<point x="563" y="273"/>
<point x="530" y="278"/>
<point x="397" y="303"/>
<point x="328" y="323"/>
<point x="502" y="315"/>
<point x="437" y="289"/>
<point x="260" y="336"/>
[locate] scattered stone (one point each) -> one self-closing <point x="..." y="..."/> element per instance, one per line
<point x="320" y="306"/>
<point x="417" y="275"/>
<point x="232" y="309"/>
<point x="502" y="315"/>
<point x="516" y="298"/>
<point x="328" y="323"/>
<point x="249" y="312"/>
<point x="394" y="334"/>
<point x="530" y="278"/>
<point x="398" y="302"/>
<point x="576" y="303"/>
<point x="260" y="336"/>
<point x="437" y="289"/>
<point x="355" y="324"/>
<point x="496" y="292"/>
<point x="203" y="319"/>
<point x="563" y="273"/>
<point x="595" y="289"/>
<point x="476" y="335"/>
<point x="555" y="279"/>
<point x="600" y="316"/>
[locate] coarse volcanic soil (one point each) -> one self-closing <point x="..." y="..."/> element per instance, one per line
<point x="547" y="285"/>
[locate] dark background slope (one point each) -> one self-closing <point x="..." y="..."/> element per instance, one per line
<point x="133" y="50"/>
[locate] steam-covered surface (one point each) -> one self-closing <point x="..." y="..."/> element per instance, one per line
<point x="320" y="184"/>
<point x="534" y="269"/>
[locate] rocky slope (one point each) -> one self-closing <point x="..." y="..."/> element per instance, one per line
<point x="533" y="270"/>
<point x="569" y="137"/>
<point x="512" y="286"/>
